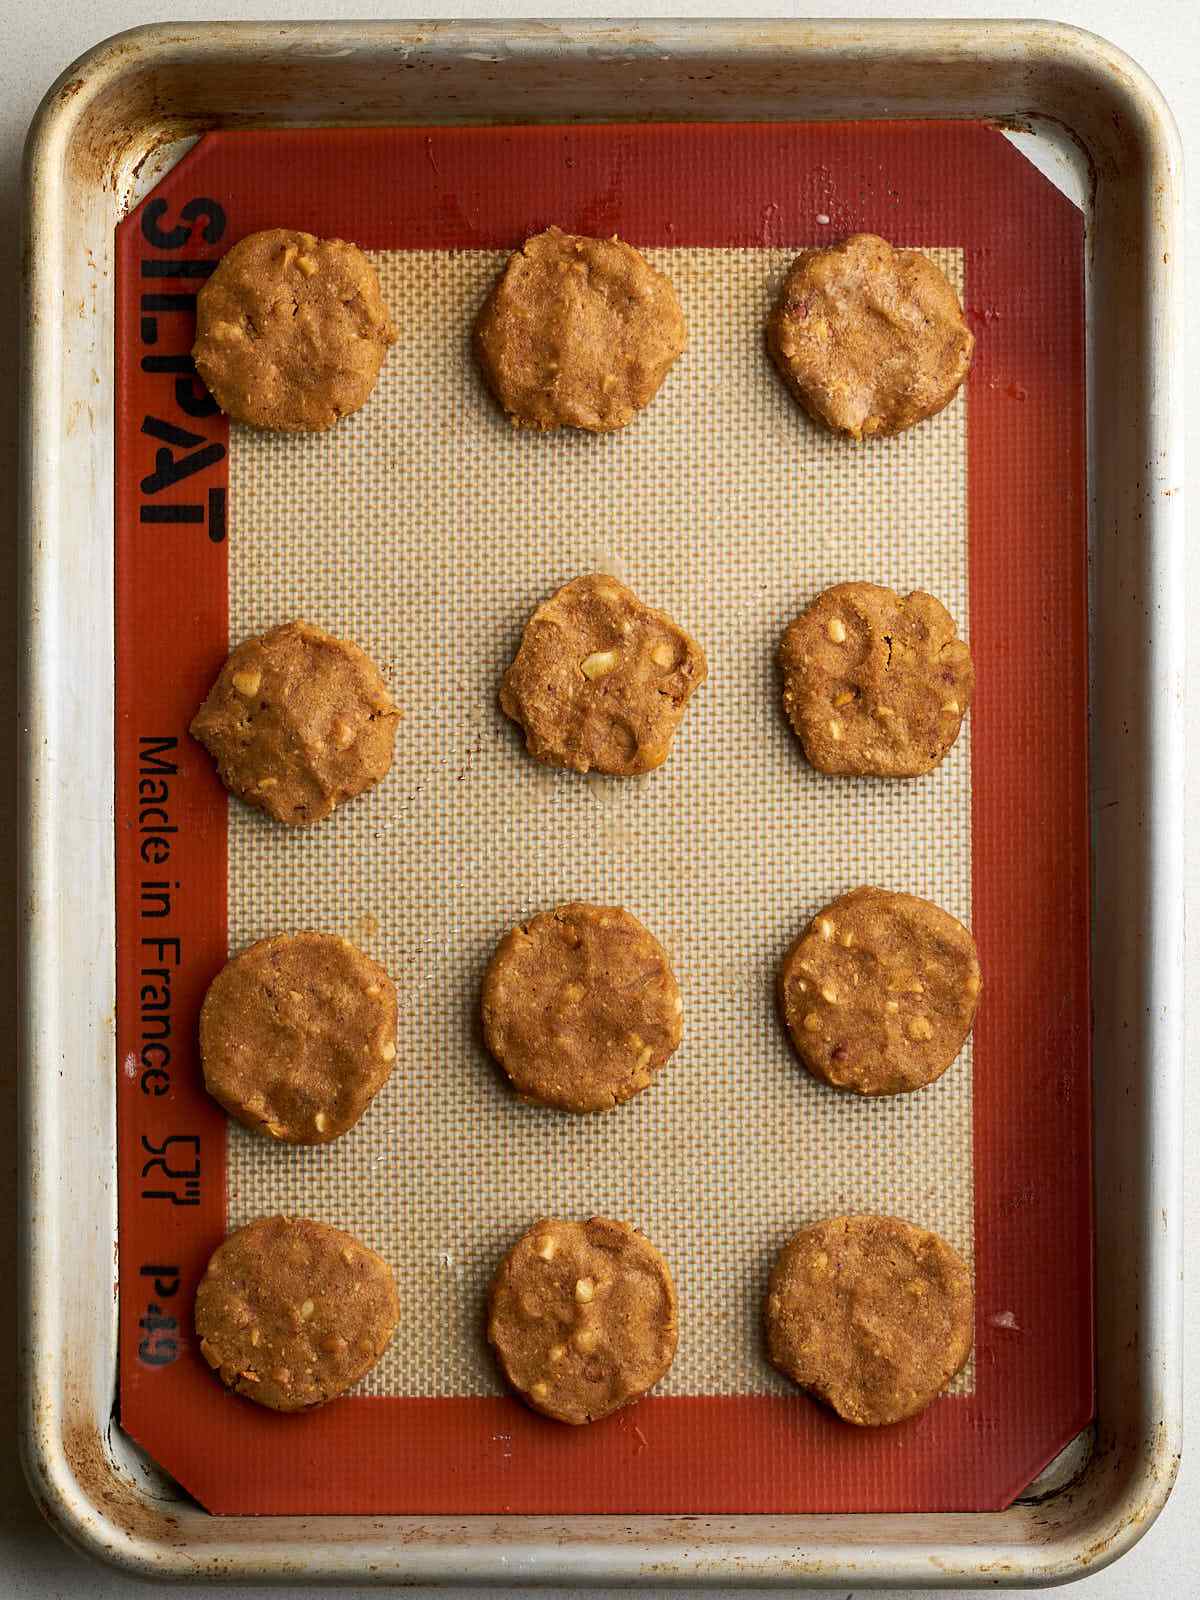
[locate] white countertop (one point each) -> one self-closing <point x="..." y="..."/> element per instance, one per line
<point x="43" y="36"/>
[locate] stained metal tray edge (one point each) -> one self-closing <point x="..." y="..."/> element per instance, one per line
<point x="95" y="134"/>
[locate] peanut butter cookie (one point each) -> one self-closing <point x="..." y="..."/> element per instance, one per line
<point x="875" y="683"/>
<point x="601" y="681"/>
<point x="291" y="331"/>
<point x="578" y="333"/>
<point x="582" y="1318"/>
<point x="290" y="1312"/>
<point x="871" y="1315"/>
<point x="870" y="340"/>
<point x="879" y="992"/>
<point x="297" y="1036"/>
<point x="297" y="722"/>
<point x="580" y="1007"/>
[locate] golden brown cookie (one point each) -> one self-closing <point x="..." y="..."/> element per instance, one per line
<point x="582" y="1318"/>
<point x="871" y="1315"/>
<point x="868" y="338"/>
<point x="580" y="1007"/>
<point x="297" y="722"/>
<point x="875" y="683"/>
<point x="879" y="992"/>
<point x="601" y="681"/>
<point x="291" y="331"/>
<point x="291" y="1312"/>
<point x="298" y="1035"/>
<point x="578" y="332"/>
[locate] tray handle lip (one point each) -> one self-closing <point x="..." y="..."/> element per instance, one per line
<point x="1113" y="72"/>
<point x="1150" y="131"/>
<point x="74" y="1516"/>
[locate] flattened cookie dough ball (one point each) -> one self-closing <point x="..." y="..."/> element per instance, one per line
<point x="868" y="338"/>
<point x="297" y="1036"/>
<point x="875" y="683"/>
<point x="290" y="1312"/>
<point x="298" y="722"/>
<point x="582" y="1318"/>
<point x="601" y="681"/>
<point x="879" y="992"/>
<point x="578" y="332"/>
<point x="871" y="1315"/>
<point x="291" y="330"/>
<point x="580" y="1007"/>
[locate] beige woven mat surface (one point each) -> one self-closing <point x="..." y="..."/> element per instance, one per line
<point x="427" y="529"/>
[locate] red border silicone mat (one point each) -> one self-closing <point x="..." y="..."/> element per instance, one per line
<point x="693" y="185"/>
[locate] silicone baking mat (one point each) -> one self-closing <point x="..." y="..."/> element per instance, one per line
<point x="427" y="529"/>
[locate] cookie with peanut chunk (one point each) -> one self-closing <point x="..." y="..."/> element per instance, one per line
<point x="291" y="330"/>
<point x="298" y="1035"/>
<point x="875" y="683"/>
<point x="879" y="992"/>
<point x="580" y="1007"/>
<point x="601" y="681"/>
<point x="582" y="1318"/>
<point x="297" y="722"/>
<point x="291" y="1312"/>
<point x="869" y="339"/>
<point x="871" y="1315"/>
<point x="578" y="333"/>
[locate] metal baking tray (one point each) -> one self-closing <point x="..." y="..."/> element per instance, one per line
<point x="107" y="130"/>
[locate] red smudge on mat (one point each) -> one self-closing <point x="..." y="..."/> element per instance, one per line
<point x="703" y="184"/>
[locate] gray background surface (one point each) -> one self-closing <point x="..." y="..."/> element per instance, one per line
<point x="40" y="38"/>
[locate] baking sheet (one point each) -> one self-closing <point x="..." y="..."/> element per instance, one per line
<point x="427" y="529"/>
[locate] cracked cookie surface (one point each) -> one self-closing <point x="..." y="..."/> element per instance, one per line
<point x="298" y="1035"/>
<point x="297" y="722"/>
<point x="875" y="684"/>
<point x="578" y="332"/>
<point x="291" y="330"/>
<point x="869" y="339"/>
<point x="871" y="1315"/>
<point x="600" y="681"/>
<point x="580" y="1007"/>
<point x="582" y="1318"/>
<point x="879" y="992"/>
<point x="291" y="1312"/>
